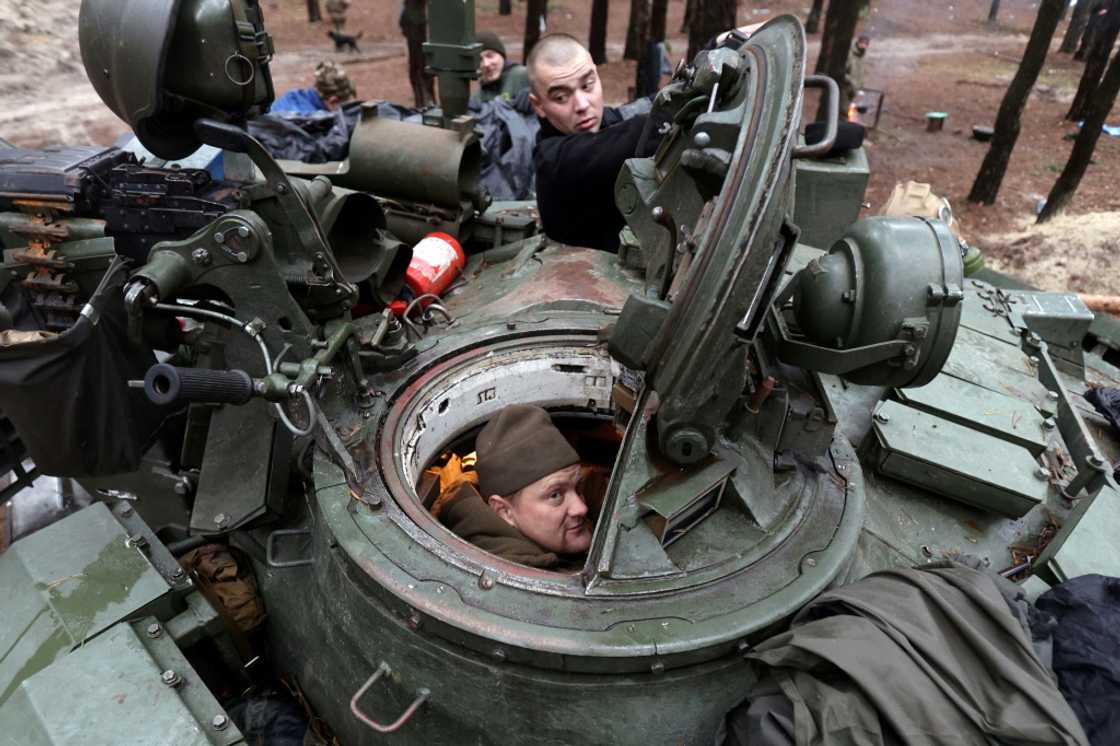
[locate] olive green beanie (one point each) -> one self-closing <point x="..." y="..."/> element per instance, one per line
<point x="489" y="40"/>
<point x="518" y="447"/>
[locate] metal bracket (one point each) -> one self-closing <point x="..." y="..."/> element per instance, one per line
<point x="422" y="695"/>
<point x="270" y="548"/>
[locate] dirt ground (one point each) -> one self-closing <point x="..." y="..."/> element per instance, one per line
<point x="926" y="56"/>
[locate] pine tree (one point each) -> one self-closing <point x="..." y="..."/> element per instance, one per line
<point x="992" y="170"/>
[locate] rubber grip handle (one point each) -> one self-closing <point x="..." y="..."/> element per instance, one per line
<point x="166" y="384"/>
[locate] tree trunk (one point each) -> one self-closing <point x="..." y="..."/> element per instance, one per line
<point x="658" y="20"/>
<point x="1085" y="144"/>
<point x="597" y="38"/>
<point x="709" y="18"/>
<point x="637" y="32"/>
<point x="1076" y="27"/>
<point x="836" y="42"/>
<point x="993" y="13"/>
<point x="1108" y="27"/>
<point x="535" y="12"/>
<point x="313" y="12"/>
<point x="813" y="22"/>
<point x="992" y="170"/>
<point x="1092" y="25"/>
<point x="414" y="26"/>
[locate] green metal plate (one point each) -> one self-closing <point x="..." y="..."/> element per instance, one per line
<point x="110" y="691"/>
<point x="981" y="409"/>
<point x="1086" y="543"/>
<point x="957" y="462"/>
<point x="65" y="584"/>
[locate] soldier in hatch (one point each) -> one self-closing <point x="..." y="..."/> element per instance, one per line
<point x="497" y="76"/>
<point x="529" y="506"/>
<point x="332" y="89"/>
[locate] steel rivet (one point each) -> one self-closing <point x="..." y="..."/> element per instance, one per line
<point x="154" y="630"/>
<point x="702" y="139"/>
<point x="219" y="722"/>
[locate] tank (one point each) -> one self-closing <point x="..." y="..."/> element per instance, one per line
<point x="781" y="417"/>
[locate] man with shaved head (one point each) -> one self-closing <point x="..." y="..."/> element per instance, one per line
<point x="581" y="146"/>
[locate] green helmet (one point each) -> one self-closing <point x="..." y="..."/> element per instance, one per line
<point x="160" y="66"/>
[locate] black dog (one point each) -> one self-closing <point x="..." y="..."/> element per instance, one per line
<point x="343" y="42"/>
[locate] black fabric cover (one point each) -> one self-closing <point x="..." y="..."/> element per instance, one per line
<point x="849" y="136"/>
<point x="312" y="138"/>
<point x="68" y="395"/>
<point x="1086" y="656"/>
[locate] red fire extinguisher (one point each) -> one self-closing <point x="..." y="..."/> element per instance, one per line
<point x="436" y="261"/>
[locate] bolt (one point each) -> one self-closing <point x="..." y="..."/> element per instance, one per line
<point x="1034" y="360"/>
<point x="243" y="232"/>
<point x="1042" y="473"/>
<point x="1049" y="424"/>
<point x="882" y="417"/>
<point x="220" y="519"/>
<point x="182" y="487"/>
<point x="281" y="188"/>
<point x="485" y="582"/>
<point x="219" y="722"/>
<point x="1095" y="461"/>
<point x="909" y="350"/>
<point x="499" y="655"/>
<point x="810" y="562"/>
<point x="414" y="621"/>
<point x="178" y="574"/>
<point x="154" y="630"/>
<point x="1052" y="395"/>
<point x="743" y="647"/>
<point x="702" y="139"/>
<point x="849" y="296"/>
<point x="201" y="257"/>
<point x="657" y="668"/>
<point x="219" y="237"/>
<point x="511" y="325"/>
<point x="171" y="678"/>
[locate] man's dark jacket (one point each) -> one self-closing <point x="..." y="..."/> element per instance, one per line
<point x="576" y="175"/>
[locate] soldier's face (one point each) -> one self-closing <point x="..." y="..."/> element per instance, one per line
<point x="569" y="96"/>
<point x="490" y="66"/>
<point x="551" y="511"/>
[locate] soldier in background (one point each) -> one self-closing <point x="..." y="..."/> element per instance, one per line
<point x="336" y="11"/>
<point x="497" y="76"/>
<point x="853" y="73"/>
<point x="414" y="26"/>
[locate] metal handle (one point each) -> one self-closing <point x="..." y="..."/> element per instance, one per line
<point x="270" y="548"/>
<point x="832" y="122"/>
<point x="422" y="696"/>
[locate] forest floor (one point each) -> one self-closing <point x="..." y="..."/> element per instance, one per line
<point x="925" y="56"/>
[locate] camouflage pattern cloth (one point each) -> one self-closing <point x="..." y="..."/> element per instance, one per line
<point x="332" y="80"/>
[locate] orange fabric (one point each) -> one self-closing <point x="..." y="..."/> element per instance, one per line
<point x="452" y="474"/>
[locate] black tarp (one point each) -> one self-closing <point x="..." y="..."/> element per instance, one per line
<point x="1086" y="651"/>
<point x="68" y="394"/>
